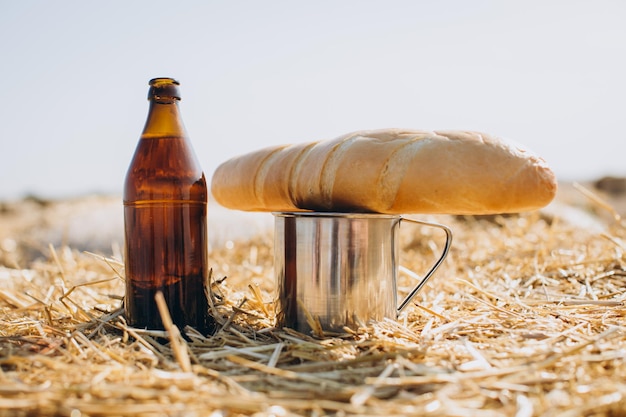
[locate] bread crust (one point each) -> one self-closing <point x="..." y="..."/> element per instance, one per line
<point x="392" y="171"/>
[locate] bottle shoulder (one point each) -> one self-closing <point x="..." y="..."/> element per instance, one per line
<point x="165" y="168"/>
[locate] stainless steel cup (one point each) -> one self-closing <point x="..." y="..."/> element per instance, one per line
<point x="340" y="269"/>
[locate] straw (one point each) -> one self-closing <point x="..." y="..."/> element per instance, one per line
<point x="524" y="318"/>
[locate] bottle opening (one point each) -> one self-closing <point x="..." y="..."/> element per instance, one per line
<point x="162" y="80"/>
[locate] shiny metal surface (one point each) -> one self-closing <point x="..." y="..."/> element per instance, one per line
<point x="338" y="269"/>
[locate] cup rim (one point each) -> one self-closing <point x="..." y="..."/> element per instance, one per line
<point x="335" y="214"/>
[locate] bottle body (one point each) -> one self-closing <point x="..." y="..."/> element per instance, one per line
<point x="165" y="221"/>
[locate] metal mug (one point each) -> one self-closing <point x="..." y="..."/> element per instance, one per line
<point x="340" y="269"/>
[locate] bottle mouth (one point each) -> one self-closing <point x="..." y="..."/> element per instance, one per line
<point x="162" y="80"/>
<point x="163" y="88"/>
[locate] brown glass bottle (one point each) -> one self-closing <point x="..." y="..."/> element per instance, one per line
<point x="165" y="220"/>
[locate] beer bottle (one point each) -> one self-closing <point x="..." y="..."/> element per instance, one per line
<point x="165" y="220"/>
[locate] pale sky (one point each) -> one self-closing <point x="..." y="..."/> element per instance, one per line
<point x="550" y="75"/>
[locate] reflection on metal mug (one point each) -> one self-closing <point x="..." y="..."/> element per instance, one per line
<point x="340" y="269"/>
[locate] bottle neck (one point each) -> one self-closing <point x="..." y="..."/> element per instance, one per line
<point x="164" y="120"/>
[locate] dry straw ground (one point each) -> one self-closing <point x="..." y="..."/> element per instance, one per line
<point x="525" y="318"/>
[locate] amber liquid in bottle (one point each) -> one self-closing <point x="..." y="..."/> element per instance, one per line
<point x="165" y="220"/>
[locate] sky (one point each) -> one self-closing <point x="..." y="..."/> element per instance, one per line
<point x="550" y="75"/>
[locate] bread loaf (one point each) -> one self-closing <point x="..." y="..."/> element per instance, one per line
<point x="389" y="171"/>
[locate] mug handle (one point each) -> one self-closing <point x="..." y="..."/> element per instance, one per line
<point x="436" y="265"/>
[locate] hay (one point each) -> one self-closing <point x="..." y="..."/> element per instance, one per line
<point x="524" y="318"/>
